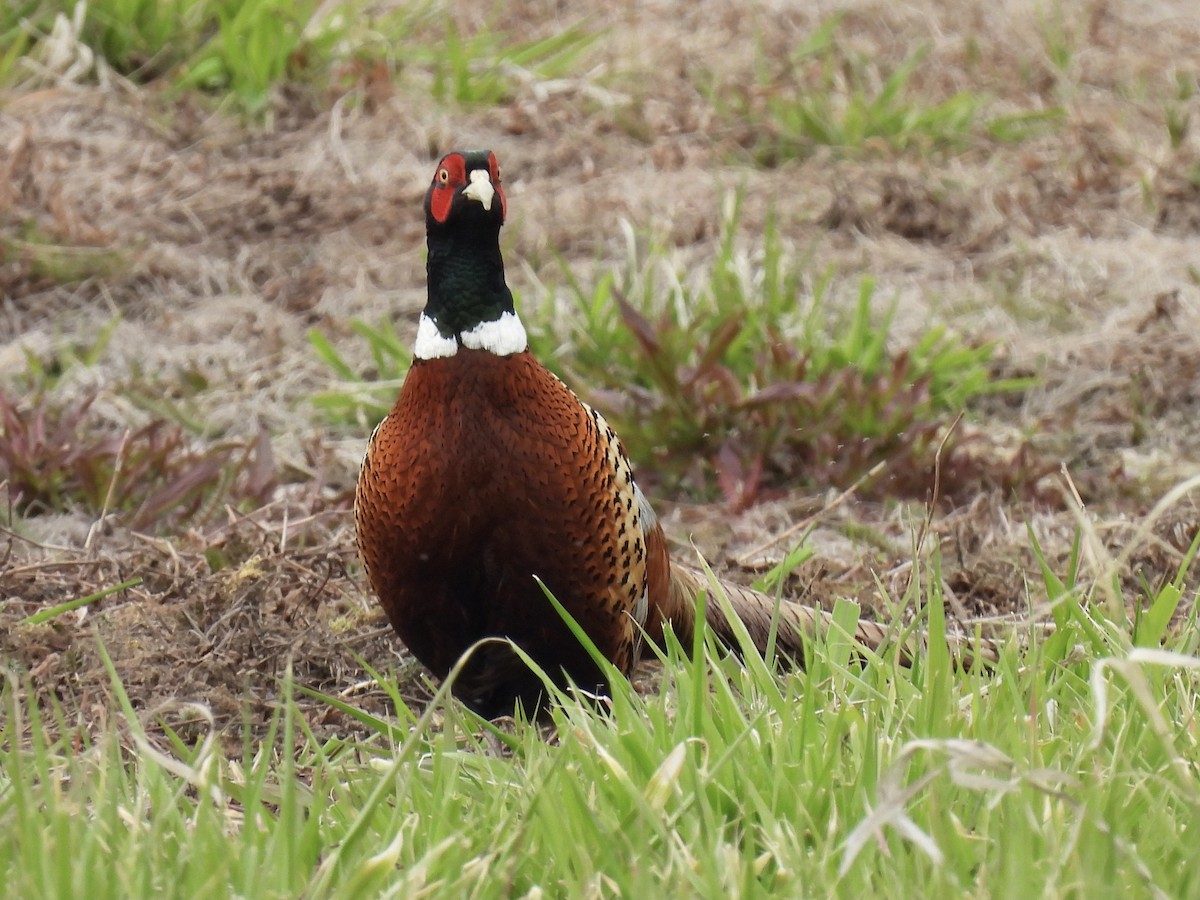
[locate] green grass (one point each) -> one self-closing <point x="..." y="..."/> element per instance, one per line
<point x="826" y="95"/>
<point x="753" y="364"/>
<point x="241" y="48"/>
<point x="60" y="456"/>
<point x="362" y="398"/>
<point x="1069" y="771"/>
<point x="241" y="51"/>
<point x="1176" y="114"/>
<point x="485" y="67"/>
<point x="1059" y="33"/>
<point x="55" y="258"/>
<point x="258" y="45"/>
<point x="144" y="38"/>
<point x="157" y="472"/>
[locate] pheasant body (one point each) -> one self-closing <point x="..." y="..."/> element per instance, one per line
<point x="489" y="476"/>
<point x="487" y="472"/>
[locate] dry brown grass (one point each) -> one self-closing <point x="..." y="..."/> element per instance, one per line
<point x="1077" y="250"/>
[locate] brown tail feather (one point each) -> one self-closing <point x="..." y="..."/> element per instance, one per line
<point x="756" y="611"/>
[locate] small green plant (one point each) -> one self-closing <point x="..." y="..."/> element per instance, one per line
<point x="1059" y="38"/>
<point x="51" y="612"/>
<point x="1156" y="611"/>
<point x="847" y="103"/>
<point x="245" y="49"/>
<point x="258" y="45"/>
<point x="42" y="259"/>
<point x="483" y="68"/>
<point x="363" y="397"/>
<point x="736" y="367"/>
<point x="43" y="374"/>
<point x="59" y="457"/>
<point x="824" y="95"/>
<point x="1177" y="112"/>
<point x="241" y="49"/>
<point x="16" y="36"/>
<point x="144" y="38"/>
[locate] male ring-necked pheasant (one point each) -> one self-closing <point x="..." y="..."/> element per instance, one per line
<point x="489" y="474"/>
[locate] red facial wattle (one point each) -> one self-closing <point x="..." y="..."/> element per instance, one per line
<point x="494" y="173"/>
<point x="451" y="176"/>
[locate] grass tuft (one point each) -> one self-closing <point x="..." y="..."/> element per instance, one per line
<point x="362" y="398"/>
<point x="245" y="51"/>
<point x="259" y="45"/>
<point x="61" y="457"/>
<point x="824" y="94"/>
<point x="39" y="259"/>
<point x="750" y="366"/>
<point x="485" y="67"/>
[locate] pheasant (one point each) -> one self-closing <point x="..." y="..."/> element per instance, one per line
<point x="489" y="476"/>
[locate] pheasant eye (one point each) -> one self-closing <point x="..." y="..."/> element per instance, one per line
<point x="444" y="176"/>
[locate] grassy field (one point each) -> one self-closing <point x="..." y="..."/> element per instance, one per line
<point x="896" y="309"/>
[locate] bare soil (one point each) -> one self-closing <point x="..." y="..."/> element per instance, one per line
<point x="219" y="244"/>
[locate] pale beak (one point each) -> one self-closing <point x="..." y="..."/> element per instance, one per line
<point x="481" y="188"/>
